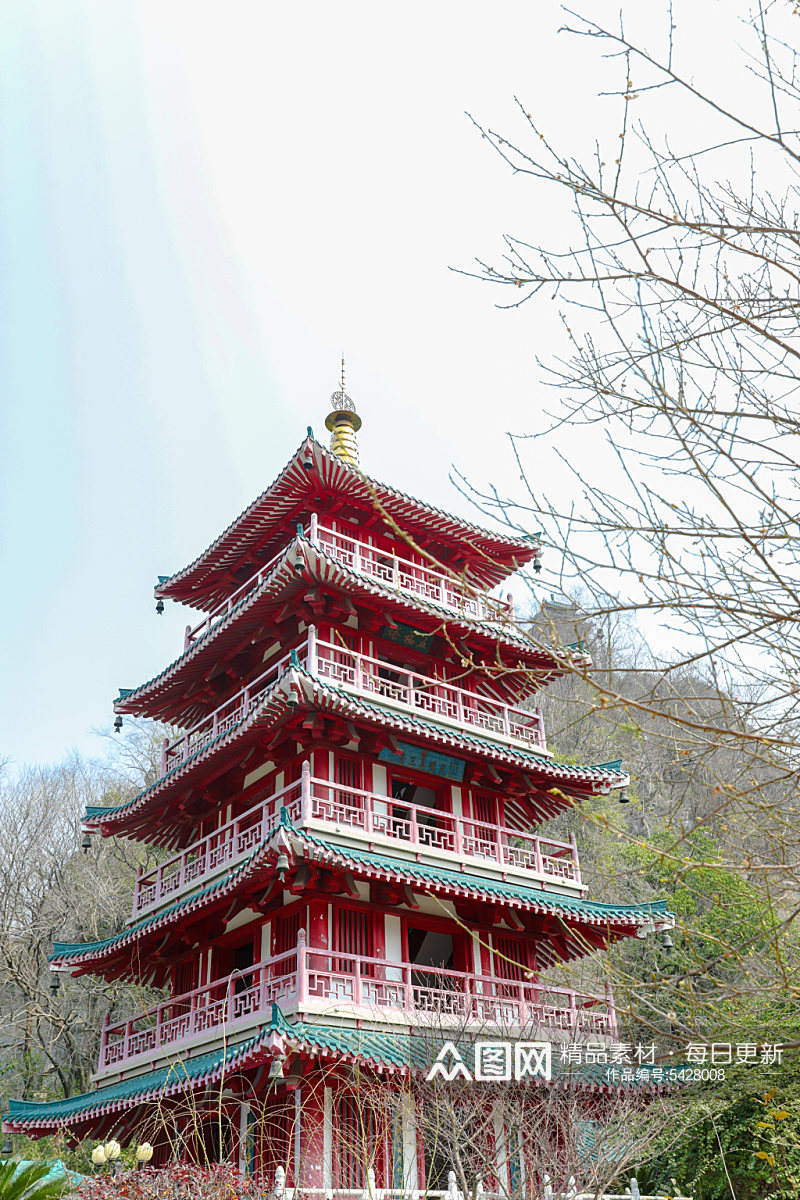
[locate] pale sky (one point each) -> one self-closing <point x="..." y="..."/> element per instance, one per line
<point x="202" y="205"/>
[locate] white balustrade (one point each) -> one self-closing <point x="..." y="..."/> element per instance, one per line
<point x="307" y="974"/>
<point x="218" y="850"/>
<point x="435" y="697"/>
<point x="363" y="673"/>
<point x="394" y="570"/>
<point x="309" y="801"/>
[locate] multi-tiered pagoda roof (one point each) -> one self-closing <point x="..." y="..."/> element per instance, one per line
<point x="351" y="808"/>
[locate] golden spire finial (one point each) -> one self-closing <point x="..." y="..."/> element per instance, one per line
<point x="344" y="423"/>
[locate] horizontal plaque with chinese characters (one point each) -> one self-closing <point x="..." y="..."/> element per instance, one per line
<point x="430" y="761"/>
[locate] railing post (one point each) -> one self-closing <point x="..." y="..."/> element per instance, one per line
<point x="229" y="997"/>
<point x="126" y="1041"/>
<point x="458" y="836"/>
<point x="573" y="1011"/>
<point x="612" y="1011"/>
<point x="137" y="888"/>
<point x="104" y="1040"/>
<point x="215" y="724"/>
<point x="409" y="989"/>
<point x="313" y="529"/>
<point x="305" y="791"/>
<point x="312" y="650"/>
<point x="537" y="855"/>
<point x="506" y="722"/>
<point x="159" y="884"/>
<point x="540" y="724"/>
<point x="358" y="997"/>
<point x="187" y="638"/>
<point x="164" y="746"/>
<point x="573" y="841"/>
<point x="302" y="967"/>
<point x="356" y="555"/>
<point x="185" y="746"/>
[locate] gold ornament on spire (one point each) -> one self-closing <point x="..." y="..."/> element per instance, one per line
<point x="344" y="423"/>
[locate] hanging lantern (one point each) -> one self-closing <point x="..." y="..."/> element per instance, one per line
<point x="55" y="984"/>
<point x="159" y="606"/>
<point x="282" y="865"/>
<point x="623" y="796"/>
<point x="666" y="941"/>
<point x="86" y="844"/>
<point x="117" y="724"/>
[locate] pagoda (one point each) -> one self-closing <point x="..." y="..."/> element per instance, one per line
<point x="347" y="822"/>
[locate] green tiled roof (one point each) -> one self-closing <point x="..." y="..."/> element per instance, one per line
<point x="605" y="773"/>
<point x="590" y="910"/>
<point x="599" y="772"/>
<point x="394" y="1049"/>
<point x="64" y="950"/>
<point x="367" y="863"/>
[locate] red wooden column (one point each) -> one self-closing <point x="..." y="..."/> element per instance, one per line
<point x="318" y="938"/>
<point x="309" y="1133"/>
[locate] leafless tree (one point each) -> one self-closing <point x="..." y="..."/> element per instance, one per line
<point x="678" y="292"/>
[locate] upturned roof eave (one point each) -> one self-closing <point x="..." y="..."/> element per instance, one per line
<point x="365" y="865"/>
<point x="539" y="658"/>
<point x="602" y="779"/>
<point x="292" y="483"/>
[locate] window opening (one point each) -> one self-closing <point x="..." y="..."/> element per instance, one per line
<point x="352" y="937"/>
<point x="286" y="927"/>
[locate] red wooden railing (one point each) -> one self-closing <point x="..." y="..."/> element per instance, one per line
<point x="216" y="851"/>
<point x="307" y="974"/>
<point x="222" y="719"/>
<point x="309" y="801"/>
<point x="409" y="575"/>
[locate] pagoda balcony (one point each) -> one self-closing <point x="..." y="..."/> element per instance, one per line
<point x="407" y="575"/>
<point x="436" y="698"/>
<point x="392" y="570"/>
<point x="372" y="677"/>
<point x="317" y="804"/>
<point x="311" y="980"/>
